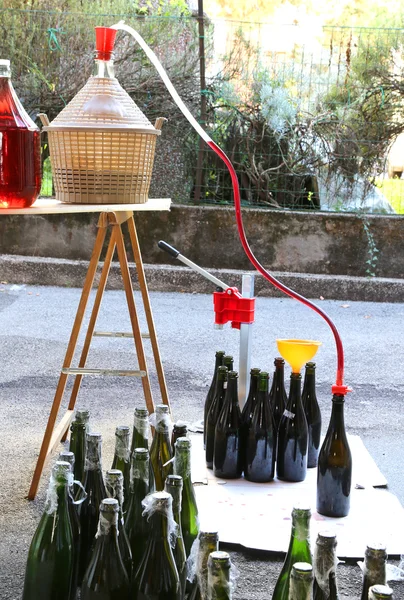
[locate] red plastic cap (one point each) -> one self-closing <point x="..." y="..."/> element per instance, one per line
<point x="104" y="42"/>
<point x="340" y="390"/>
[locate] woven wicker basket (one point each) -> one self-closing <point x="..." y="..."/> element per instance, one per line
<point x="102" y="147"/>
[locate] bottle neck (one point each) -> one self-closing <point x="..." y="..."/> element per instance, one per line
<point x="104" y="69"/>
<point x="57" y="496"/>
<point x="337" y="421"/>
<point x="300" y="527"/>
<point x="176" y="493"/>
<point x="231" y="392"/>
<point x="93" y="458"/>
<point x="182" y="463"/>
<point x="279" y="376"/>
<point x="309" y="385"/>
<point x="295" y="392"/>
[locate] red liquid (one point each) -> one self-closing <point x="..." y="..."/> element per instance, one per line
<point x="20" y="151"/>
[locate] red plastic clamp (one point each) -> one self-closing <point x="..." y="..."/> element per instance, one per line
<point x="231" y="306"/>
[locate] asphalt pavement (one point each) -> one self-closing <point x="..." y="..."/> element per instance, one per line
<point x="34" y="330"/>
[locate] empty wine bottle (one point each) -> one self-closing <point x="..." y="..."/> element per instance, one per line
<point x="228" y="362"/>
<point x="313" y="414"/>
<point x="89" y="510"/>
<point x="214" y="412"/>
<point x="209" y="397"/>
<point x="374" y="568"/>
<point x="189" y="508"/>
<point x="293" y="436"/>
<point x="219" y="585"/>
<point x="248" y="410"/>
<point x="298" y="551"/>
<point x="50" y="562"/>
<point x="157" y="577"/>
<point x="180" y="429"/>
<point x="206" y="543"/>
<point x="106" y="577"/>
<point x="380" y="592"/>
<point x="66" y="456"/>
<point x="135" y="525"/>
<point x="174" y="487"/>
<point x="334" y="471"/>
<point x="160" y="450"/>
<point x="227" y="451"/>
<point x="324" y="567"/>
<point x="121" y="460"/>
<point x="114" y="484"/>
<point x="277" y="396"/>
<point x="78" y="431"/>
<point x="141" y="428"/>
<point x="301" y="582"/>
<point x="260" y="440"/>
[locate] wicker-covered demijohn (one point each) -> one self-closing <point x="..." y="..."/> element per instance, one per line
<point x="102" y="147"/>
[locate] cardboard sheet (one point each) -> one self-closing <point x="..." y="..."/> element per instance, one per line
<point x="259" y="515"/>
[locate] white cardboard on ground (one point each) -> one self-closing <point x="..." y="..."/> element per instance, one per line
<point x="259" y="515"/>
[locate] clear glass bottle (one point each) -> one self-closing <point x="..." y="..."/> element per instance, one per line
<point x="174" y="487"/>
<point x="219" y="585"/>
<point x="374" y="568"/>
<point x="160" y="450"/>
<point x="380" y="592"/>
<point x="325" y="567"/>
<point x="189" y="509"/>
<point x="301" y="582"/>
<point x="114" y="484"/>
<point x="206" y="543"/>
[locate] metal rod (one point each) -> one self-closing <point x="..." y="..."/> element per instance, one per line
<point x="118" y="334"/>
<point x="202" y="272"/>
<point x="113" y="372"/>
<point x="247" y="291"/>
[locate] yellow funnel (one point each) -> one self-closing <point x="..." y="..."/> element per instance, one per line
<point x="297" y="352"/>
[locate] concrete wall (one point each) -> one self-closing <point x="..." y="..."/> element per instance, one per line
<point x="299" y="242"/>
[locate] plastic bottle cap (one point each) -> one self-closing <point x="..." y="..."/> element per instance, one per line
<point x="104" y="42"/>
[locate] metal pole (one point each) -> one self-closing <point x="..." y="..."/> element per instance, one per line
<point x="247" y="291"/>
<point x="202" y="79"/>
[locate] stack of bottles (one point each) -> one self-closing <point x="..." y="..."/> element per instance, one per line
<point x="276" y="433"/>
<point x="125" y="536"/>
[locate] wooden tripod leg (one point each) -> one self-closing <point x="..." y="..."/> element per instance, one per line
<point x="127" y="283"/>
<point x="148" y="310"/>
<point x="91" y="325"/>
<point x="88" y="284"/>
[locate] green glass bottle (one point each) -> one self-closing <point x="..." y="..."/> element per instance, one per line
<point x="248" y="409"/>
<point x="226" y="449"/>
<point x="180" y="429"/>
<point x="121" y="460"/>
<point x="157" y="577"/>
<point x="260" y="440"/>
<point x="313" y="414"/>
<point x="78" y="431"/>
<point x="174" y="487"/>
<point x="214" y="412"/>
<point x="301" y="582"/>
<point x="50" y="562"/>
<point x="228" y="362"/>
<point x="293" y="436"/>
<point x="324" y="567"/>
<point x="106" y="577"/>
<point x="160" y="450"/>
<point x="114" y="484"/>
<point x="334" y="473"/>
<point x="209" y="397"/>
<point x="298" y="551"/>
<point x="278" y="398"/>
<point x="374" y="568"/>
<point x="380" y="592"/>
<point x="141" y="429"/>
<point x="189" y="509"/>
<point x="136" y="525"/>
<point x="219" y="585"/>
<point x="89" y="510"/>
<point x="206" y="543"/>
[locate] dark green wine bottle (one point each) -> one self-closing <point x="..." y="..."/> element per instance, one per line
<point x="226" y="450"/>
<point x="157" y="577"/>
<point x="78" y="431"/>
<point x="301" y="582"/>
<point x="114" y="484"/>
<point x="209" y="397"/>
<point x="334" y="473"/>
<point x="50" y="562"/>
<point x="180" y="429"/>
<point x="214" y="412"/>
<point x="374" y="569"/>
<point x="380" y="592"/>
<point x="160" y="450"/>
<point x="298" y="551"/>
<point x="278" y="398"/>
<point x="135" y="525"/>
<point x="67" y="456"/>
<point x="260" y="441"/>
<point x="313" y="414"/>
<point x="206" y="543"/>
<point x="219" y="585"/>
<point x="248" y="410"/>
<point x="121" y="460"/>
<point x="324" y="567"/>
<point x="106" y="577"/>
<point x="228" y="362"/>
<point x="141" y="429"/>
<point x="293" y="436"/>
<point x="174" y="487"/>
<point x="189" y="508"/>
<point x="89" y="510"/>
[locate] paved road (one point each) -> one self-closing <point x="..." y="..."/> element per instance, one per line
<point x="34" y="329"/>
